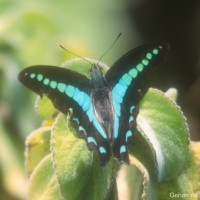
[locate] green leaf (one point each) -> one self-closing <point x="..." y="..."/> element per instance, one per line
<point x="161" y="146"/>
<point x="142" y="170"/>
<point x="79" y="172"/>
<point x="163" y="125"/>
<point x="45" y="108"/>
<point x="37" y="147"/>
<point x="43" y="183"/>
<point x="186" y="186"/>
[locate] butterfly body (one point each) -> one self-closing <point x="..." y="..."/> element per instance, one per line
<point x="105" y="107"/>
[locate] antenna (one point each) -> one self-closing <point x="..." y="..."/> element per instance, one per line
<point x="75" y="54"/>
<point x="110" y="47"/>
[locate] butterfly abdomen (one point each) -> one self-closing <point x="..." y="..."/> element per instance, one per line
<point x="103" y="109"/>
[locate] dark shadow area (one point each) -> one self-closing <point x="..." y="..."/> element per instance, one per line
<point x="176" y="22"/>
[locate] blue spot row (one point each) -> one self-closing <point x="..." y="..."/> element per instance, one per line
<point x="79" y="96"/>
<point x="119" y="90"/>
<point x="84" y="101"/>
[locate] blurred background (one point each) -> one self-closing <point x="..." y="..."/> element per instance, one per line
<point x="31" y="32"/>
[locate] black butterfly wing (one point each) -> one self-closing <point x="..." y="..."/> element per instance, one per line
<point x="53" y="81"/>
<point x="69" y="89"/>
<point x="129" y="78"/>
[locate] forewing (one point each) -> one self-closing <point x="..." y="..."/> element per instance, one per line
<point x="132" y="72"/>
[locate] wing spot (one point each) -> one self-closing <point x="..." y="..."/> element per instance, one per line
<point x="53" y="84"/>
<point x="46" y="81"/>
<point x="131" y="109"/>
<point x="128" y="134"/>
<point x="140" y="67"/>
<point x="155" y="51"/>
<point x="70" y="91"/>
<point x="61" y="87"/>
<point x="117" y="97"/>
<point x="86" y="103"/>
<point x="120" y="89"/>
<point x="145" y="62"/>
<point x="82" y="129"/>
<point x="80" y="98"/>
<point x="76" y="120"/>
<point x="102" y="150"/>
<point x="123" y="84"/>
<point x="127" y="79"/>
<point x="32" y="75"/>
<point x="131" y="118"/>
<point x="123" y="149"/>
<point x="39" y="77"/>
<point x="133" y="73"/>
<point x="91" y="140"/>
<point x="149" y="56"/>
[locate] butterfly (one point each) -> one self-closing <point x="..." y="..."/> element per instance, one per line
<point x="105" y="106"/>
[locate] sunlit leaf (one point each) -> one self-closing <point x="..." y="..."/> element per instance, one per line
<point x="37" y="147"/>
<point x="43" y="183"/>
<point x="163" y="125"/>
<point x="79" y="172"/>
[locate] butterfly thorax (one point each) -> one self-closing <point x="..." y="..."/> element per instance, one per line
<point x="102" y="100"/>
<point x="97" y="77"/>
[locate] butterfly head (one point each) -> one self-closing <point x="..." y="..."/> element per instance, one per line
<point x="96" y="75"/>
